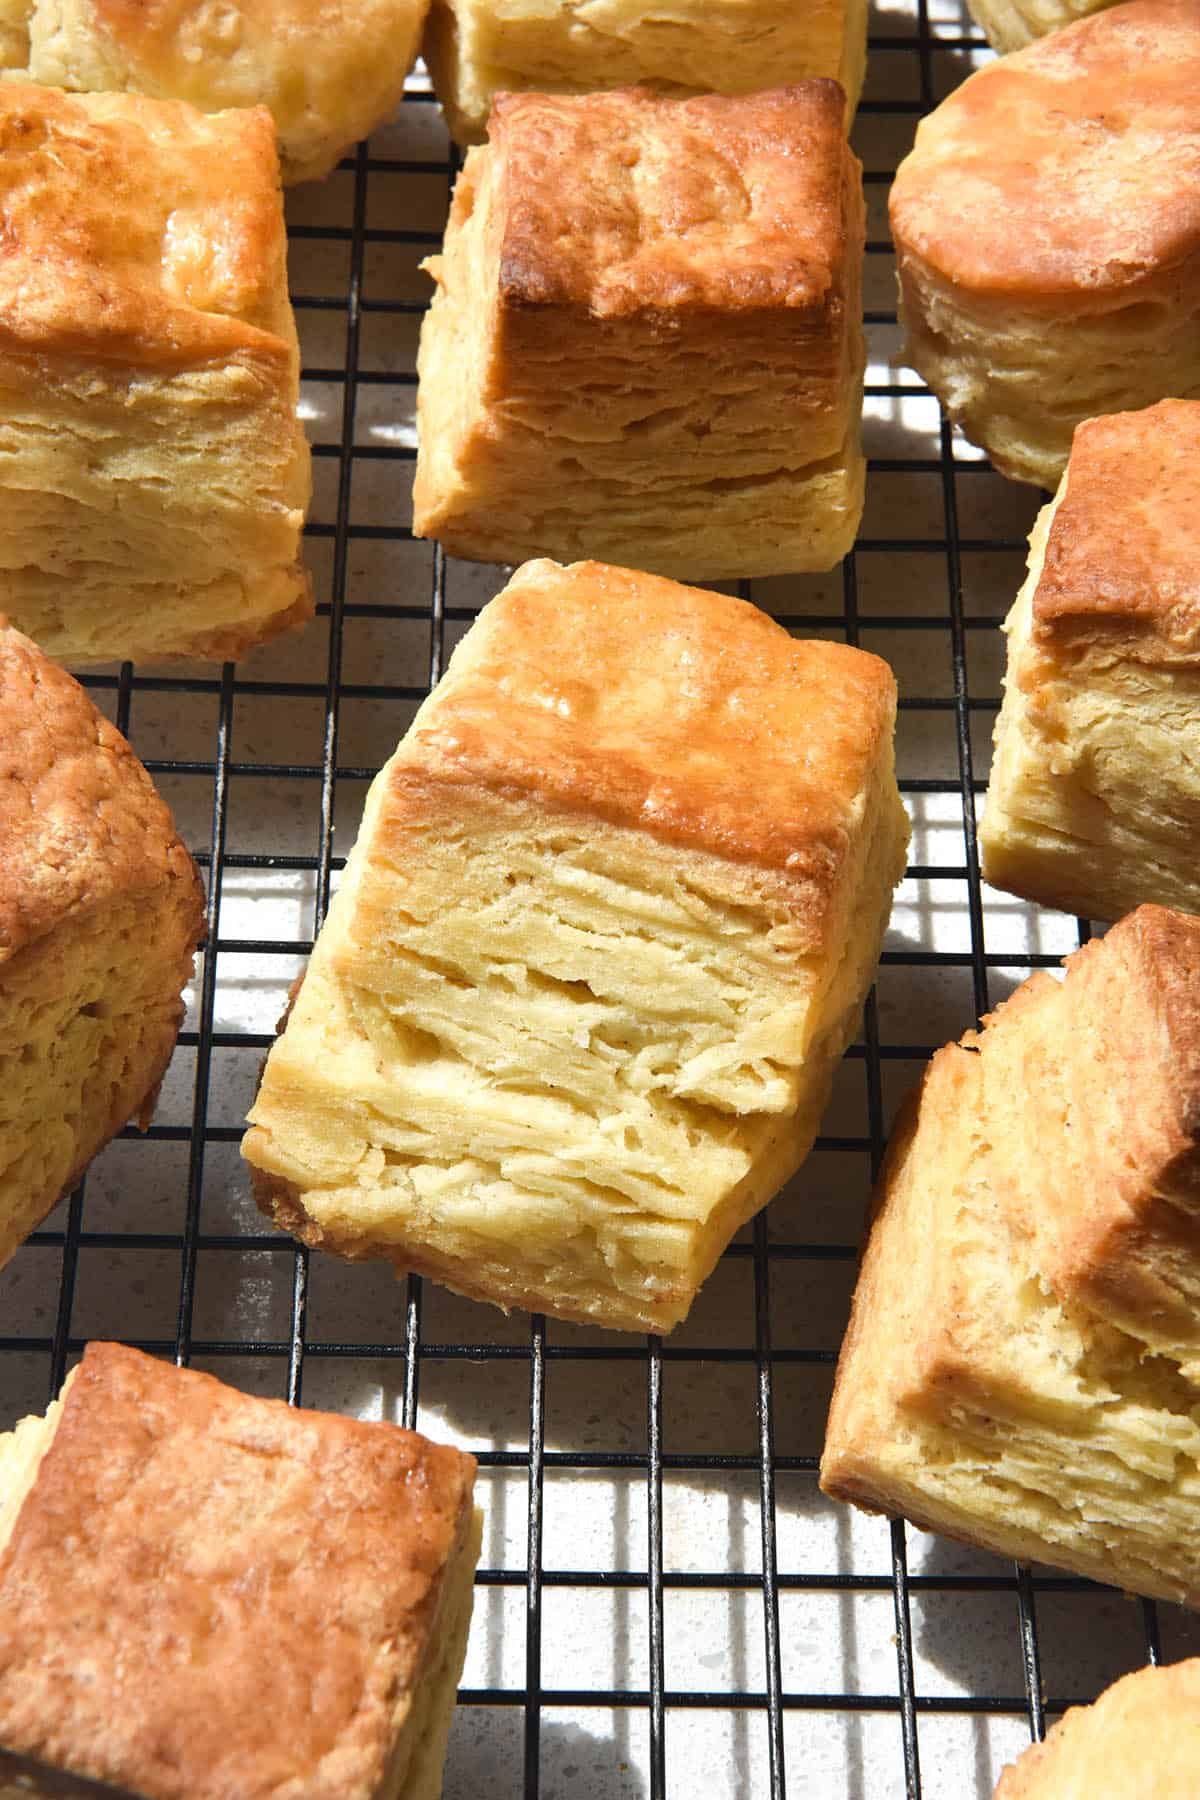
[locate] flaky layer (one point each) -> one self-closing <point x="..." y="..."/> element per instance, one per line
<point x="148" y="517"/>
<point x="475" y="50"/>
<point x="1094" y="799"/>
<point x="558" y="1065"/>
<point x="1019" y="379"/>
<point x="590" y="387"/>
<point x="983" y="1390"/>
<point x="328" y="73"/>
<point x="1011" y="24"/>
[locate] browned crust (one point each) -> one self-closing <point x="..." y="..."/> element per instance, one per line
<point x="81" y="822"/>
<point x="1070" y="169"/>
<point x="670" y="709"/>
<point x="1123" y="554"/>
<point x="139" y="231"/>
<point x="627" y="201"/>
<point x="253" y="1590"/>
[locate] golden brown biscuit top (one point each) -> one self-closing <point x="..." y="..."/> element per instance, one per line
<point x="1123" y="554"/>
<point x="207" y="1594"/>
<point x="624" y="201"/>
<point x="1069" y="168"/>
<point x="685" y="713"/>
<point x="137" y="231"/>
<point x="81" y="822"/>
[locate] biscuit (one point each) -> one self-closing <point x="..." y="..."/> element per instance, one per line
<point x="476" y="49"/>
<point x="1022" y="1367"/>
<point x="606" y="931"/>
<point x="328" y="74"/>
<point x="1047" y="230"/>
<point x="1094" y="799"/>
<point x="204" y="1594"/>
<point x="153" y="473"/>
<point x="646" y="343"/>
<point x="101" y="910"/>
<point x="1141" y="1737"/>
<point x="1011" y="24"/>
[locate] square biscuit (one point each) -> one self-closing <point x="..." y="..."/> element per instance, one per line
<point x="1022" y="1367"/>
<point x="153" y="473"/>
<point x="606" y="931"/>
<point x="202" y="1593"/>
<point x="327" y="74"/>
<point x="1094" y="798"/>
<point x="101" y="910"/>
<point x="478" y="49"/>
<point x="646" y="343"/>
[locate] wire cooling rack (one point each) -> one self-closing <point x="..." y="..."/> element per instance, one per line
<point x="666" y="1605"/>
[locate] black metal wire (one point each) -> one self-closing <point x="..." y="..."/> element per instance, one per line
<point x="958" y="624"/>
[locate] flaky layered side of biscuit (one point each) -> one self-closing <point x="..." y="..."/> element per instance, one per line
<point x="153" y="474"/>
<point x="605" y="932"/>
<point x="1011" y="24"/>
<point x="1094" y="799"/>
<point x="1142" y="1735"/>
<point x="257" y="1598"/>
<point x="1021" y="1365"/>
<point x="1047" y="231"/>
<point x="327" y="74"/>
<point x="101" y="910"/>
<point x="645" y="344"/>
<point x="476" y="50"/>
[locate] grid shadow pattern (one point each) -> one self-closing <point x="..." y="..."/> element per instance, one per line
<point x="655" y="1500"/>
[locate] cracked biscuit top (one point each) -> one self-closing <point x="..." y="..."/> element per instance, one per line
<point x="622" y="202"/>
<point x="139" y="232"/>
<point x="207" y="1594"/>
<point x="1070" y="167"/>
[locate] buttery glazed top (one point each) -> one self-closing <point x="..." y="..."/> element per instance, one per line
<point x="623" y="201"/>
<point x="1070" y="167"/>
<point x="248" y="1594"/>
<point x="81" y="823"/>
<point x="137" y="231"/>
<point x="1123" y="552"/>
<point x="1146" y="1724"/>
<point x="685" y="713"/>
